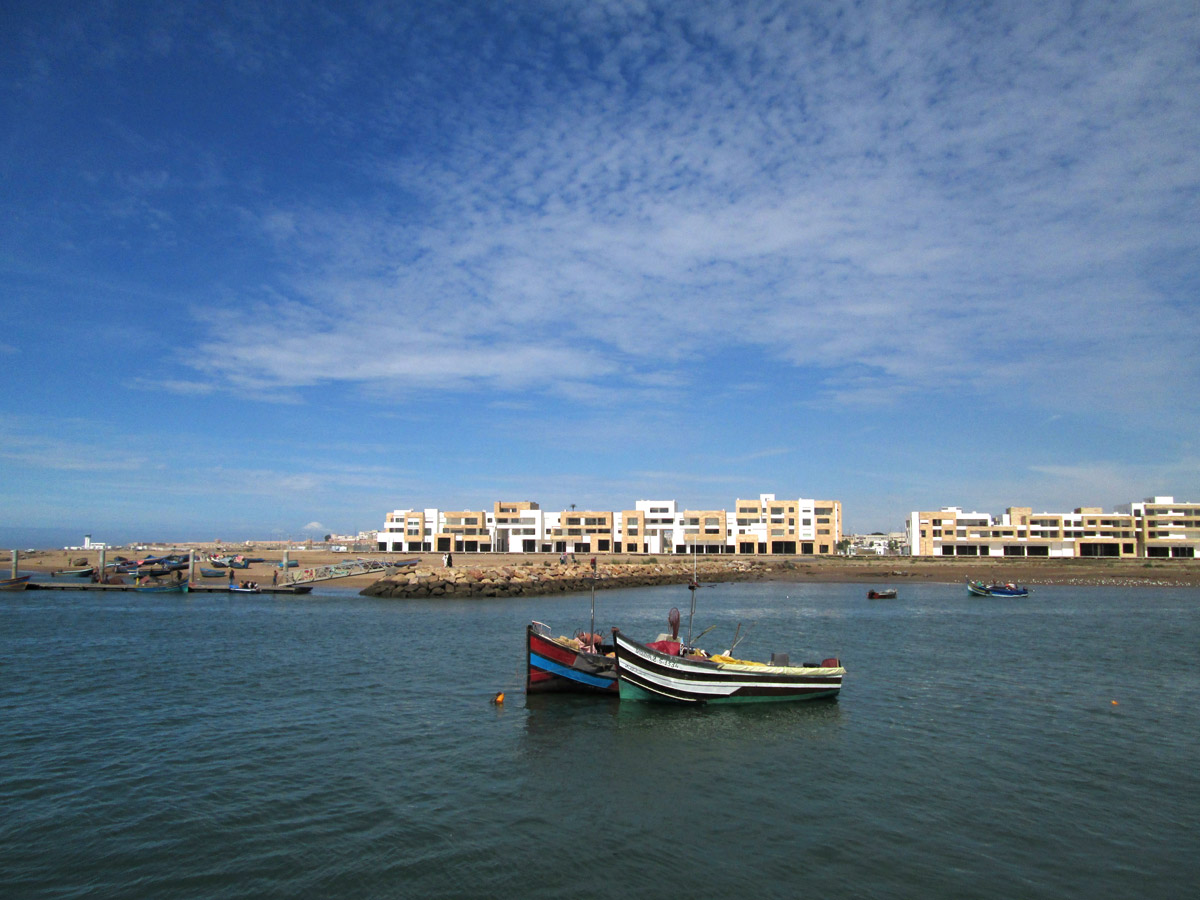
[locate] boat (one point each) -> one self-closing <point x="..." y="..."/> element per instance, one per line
<point x="76" y="573"/>
<point x="979" y="589"/>
<point x="885" y="594"/>
<point x="212" y="573"/>
<point x="567" y="664"/>
<point x="16" y="583"/>
<point x="657" y="671"/>
<point x="148" y="572"/>
<point x="581" y="664"/>
<point x="291" y="564"/>
<point x="241" y="589"/>
<point x="166" y="587"/>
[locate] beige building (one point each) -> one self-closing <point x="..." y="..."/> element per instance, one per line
<point x="1166" y="529"/>
<point x="766" y="526"/>
<point x="1154" y="528"/>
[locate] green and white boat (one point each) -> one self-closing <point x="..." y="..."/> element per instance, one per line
<point x="659" y="672"/>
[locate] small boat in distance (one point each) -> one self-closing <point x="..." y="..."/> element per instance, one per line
<point x="979" y="589"/>
<point x="658" y="672"/>
<point x="16" y="583"/>
<point x="885" y="594"/>
<point x="575" y="665"/>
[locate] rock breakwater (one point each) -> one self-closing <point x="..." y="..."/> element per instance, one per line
<point x="554" y="578"/>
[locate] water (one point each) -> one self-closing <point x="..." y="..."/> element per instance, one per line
<point x="338" y="745"/>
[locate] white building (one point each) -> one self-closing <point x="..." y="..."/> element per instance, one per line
<point x="765" y="526"/>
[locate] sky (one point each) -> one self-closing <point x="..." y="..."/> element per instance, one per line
<point x="275" y="269"/>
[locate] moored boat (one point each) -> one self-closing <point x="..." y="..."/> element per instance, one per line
<point x="16" y="583"/>
<point x="659" y="673"/>
<point x="979" y="589"/>
<point x="166" y="587"/>
<point x="885" y="594"/>
<point x="577" y="664"/>
<point x="212" y="573"/>
<point x="85" y="572"/>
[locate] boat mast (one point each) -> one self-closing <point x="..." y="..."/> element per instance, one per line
<point x="692" y="588"/>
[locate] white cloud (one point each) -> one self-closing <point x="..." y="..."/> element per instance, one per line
<point x="937" y="211"/>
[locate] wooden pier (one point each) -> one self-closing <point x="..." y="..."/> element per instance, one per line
<point x="192" y="588"/>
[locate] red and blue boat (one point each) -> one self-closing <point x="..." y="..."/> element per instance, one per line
<point x="579" y="664"/>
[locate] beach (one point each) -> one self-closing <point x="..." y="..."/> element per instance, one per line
<point x="891" y="571"/>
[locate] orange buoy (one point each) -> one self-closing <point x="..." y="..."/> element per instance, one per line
<point x="1114" y="703"/>
<point x="499" y="698"/>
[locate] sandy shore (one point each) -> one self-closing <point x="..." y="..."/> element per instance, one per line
<point x="882" y="571"/>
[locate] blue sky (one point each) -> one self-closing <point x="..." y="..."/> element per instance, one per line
<point x="286" y="266"/>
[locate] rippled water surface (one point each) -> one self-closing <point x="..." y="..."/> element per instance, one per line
<point x="217" y="746"/>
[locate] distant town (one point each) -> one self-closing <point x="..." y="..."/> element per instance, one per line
<point x="1157" y="527"/>
<point x="1154" y="528"/>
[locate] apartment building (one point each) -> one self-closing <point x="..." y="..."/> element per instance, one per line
<point x="765" y="526"/>
<point x="1156" y="527"/>
<point x="1166" y="529"/>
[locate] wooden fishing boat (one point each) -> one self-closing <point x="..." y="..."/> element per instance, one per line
<point x="885" y="594"/>
<point x="148" y="572"/>
<point x="567" y="664"/>
<point x="85" y="572"/>
<point x="16" y="583"/>
<point x="212" y="573"/>
<point x="979" y="589"/>
<point x="659" y="673"/>
<point x="166" y="587"/>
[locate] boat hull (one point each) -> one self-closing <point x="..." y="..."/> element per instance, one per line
<point x="14" y="584"/>
<point x="646" y="674"/>
<point x="552" y="666"/>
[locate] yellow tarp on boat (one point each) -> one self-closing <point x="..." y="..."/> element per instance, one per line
<point x="722" y="658"/>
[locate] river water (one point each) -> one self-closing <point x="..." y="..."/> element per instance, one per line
<point x="252" y="746"/>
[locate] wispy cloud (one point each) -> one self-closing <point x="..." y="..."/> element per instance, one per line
<point x="605" y="248"/>
<point x="928" y="211"/>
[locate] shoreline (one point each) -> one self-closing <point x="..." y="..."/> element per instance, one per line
<point x="620" y="570"/>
